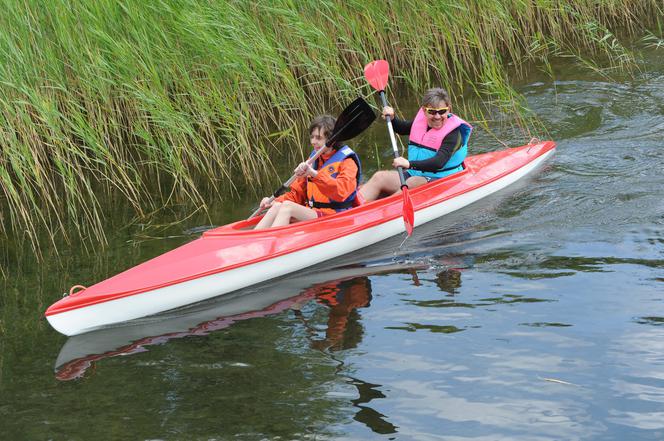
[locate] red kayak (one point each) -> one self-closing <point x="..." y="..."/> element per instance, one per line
<point x="235" y="256"/>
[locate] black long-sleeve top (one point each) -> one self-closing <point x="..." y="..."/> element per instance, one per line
<point x="451" y="144"/>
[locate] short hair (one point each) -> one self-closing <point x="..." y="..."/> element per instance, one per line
<point x="434" y="96"/>
<point x="325" y="123"/>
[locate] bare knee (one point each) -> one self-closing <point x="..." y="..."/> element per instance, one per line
<point x="288" y="205"/>
<point x="382" y="177"/>
<point x="382" y="182"/>
<point x="415" y="181"/>
<point x="274" y="207"/>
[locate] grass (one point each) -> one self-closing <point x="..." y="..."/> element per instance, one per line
<point x="173" y="101"/>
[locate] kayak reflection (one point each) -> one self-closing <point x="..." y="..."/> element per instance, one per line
<point x="81" y="352"/>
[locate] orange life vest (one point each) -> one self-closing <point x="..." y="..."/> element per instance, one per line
<point x="316" y="198"/>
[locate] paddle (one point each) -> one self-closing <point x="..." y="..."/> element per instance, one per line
<point x="352" y="121"/>
<point x="376" y="74"/>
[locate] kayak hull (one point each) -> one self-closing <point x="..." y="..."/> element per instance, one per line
<point x="234" y="256"/>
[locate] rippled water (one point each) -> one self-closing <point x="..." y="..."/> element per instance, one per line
<point x="535" y="315"/>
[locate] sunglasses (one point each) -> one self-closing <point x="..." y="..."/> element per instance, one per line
<point x="440" y="111"/>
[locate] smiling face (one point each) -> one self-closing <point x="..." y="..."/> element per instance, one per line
<point x="436" y="105"/>
<point x="436" y="114"/>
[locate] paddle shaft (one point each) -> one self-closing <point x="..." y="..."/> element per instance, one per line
<point x="288" y="183"/>
<point x="395" y="150"/>
<point x="352" y="121"/>
<point x="377" y="72"/>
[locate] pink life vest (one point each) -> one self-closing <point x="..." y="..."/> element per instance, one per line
<point x="432" y="138"/>
<point x="424" y="144"/>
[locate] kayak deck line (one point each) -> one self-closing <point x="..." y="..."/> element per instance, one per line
<point x="234" y="250"/>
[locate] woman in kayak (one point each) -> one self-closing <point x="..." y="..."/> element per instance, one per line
<point x="325" y="187"/>
<point x="437" y="146"/>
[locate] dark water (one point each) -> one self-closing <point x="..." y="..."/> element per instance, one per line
<point x="535" y="315"/>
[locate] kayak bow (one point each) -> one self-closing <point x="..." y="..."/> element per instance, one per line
<point x="235" y="256"/>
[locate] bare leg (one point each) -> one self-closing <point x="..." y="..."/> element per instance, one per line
<point x="386" y="181"/>
<point x="268" y="219"/>
<point x="292" y="212"/>
<point x="414" y="182"/>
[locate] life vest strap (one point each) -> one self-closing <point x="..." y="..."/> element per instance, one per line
<point x="334" y="205"/>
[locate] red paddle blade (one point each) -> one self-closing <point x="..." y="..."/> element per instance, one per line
<point x="408" y="212"/>
<point x="377" y="73"/>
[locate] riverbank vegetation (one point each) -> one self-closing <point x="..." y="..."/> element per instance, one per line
<point x="185" y="100"/>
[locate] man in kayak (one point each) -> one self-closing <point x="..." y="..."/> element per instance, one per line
<point x="326" y="187"/>
<point x="437" y="146"/>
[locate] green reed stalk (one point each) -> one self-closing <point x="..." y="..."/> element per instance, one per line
<point x="172" y="101"/>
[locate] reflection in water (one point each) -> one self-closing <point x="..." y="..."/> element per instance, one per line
<point x="640" y="355"/>
<point x="344" y="294"/>
<point x="655" y="321"/>
<point x="340" y="300"/>
<point x="366" y="415"/>
<point x="449" y="281"/>
<point x="343" y="298"/>
<point x="95" y="345"/>
<point x="412" y="327"/>
<point x="546" y="324"/>
<point x="344" y="331"/>
<point x="539" y="418"/>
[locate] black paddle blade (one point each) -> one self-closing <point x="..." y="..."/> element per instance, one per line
<point x="352" y="121"/>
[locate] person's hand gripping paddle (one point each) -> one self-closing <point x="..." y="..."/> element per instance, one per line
<point x="377" y="73"/>
<point x="352" y="121"/>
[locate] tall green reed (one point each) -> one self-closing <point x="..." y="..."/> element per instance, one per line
<point x="174" y="101"/>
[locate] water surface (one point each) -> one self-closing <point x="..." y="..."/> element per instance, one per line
<point x="537" y="314"/>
